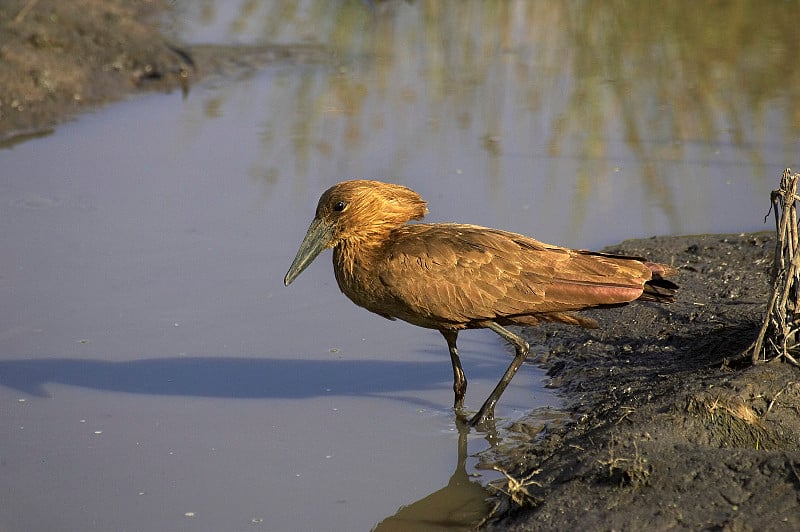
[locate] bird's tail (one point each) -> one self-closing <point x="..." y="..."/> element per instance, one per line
<point x="659" y="289"/>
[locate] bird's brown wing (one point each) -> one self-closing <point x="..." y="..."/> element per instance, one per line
<point x="463" y="273"/>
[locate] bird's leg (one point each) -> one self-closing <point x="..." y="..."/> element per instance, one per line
<point x="486" y="413"/>
<point x="459" y="379"/>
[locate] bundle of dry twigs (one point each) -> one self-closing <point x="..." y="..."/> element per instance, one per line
<point x="779" y="336"/>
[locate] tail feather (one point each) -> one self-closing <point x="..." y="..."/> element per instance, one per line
<point x="661" y="270"/>
<point x="659" y="289"/>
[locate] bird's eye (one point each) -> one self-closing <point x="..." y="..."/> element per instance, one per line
<point x="339" y="207"/>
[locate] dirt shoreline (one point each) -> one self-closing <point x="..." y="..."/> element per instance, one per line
<point x="673" y="430"/>
<point x="59" y="59"/>
<point x="668" y="432"/>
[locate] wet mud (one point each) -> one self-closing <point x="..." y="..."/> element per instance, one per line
<point x="668" y="427"/>
<point x="58" y="59"/>
<point x="671" y="428"/>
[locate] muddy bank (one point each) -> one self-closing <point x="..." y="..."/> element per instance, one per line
<point x="671" y="429"/>
<point x="58" y="59"/>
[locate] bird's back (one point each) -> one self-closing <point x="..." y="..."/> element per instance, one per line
<point x="463" y="276"/>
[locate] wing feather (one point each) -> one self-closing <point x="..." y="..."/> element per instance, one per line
<point x="462" y="273"/>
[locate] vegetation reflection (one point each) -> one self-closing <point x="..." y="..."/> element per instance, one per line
<point x="666" y="82"/>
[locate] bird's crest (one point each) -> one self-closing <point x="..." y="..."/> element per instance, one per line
<point x="362" y="208"/>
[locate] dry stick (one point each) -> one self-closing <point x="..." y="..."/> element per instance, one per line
<point x="796" y="258"/>
<point x="791" y="278"/>
<point x="762" y="333"/>
<point x="777" y="272"/>
<point x="775" y="207"/>
<point x="786" y="250"/>
<point x="787" y="288"/>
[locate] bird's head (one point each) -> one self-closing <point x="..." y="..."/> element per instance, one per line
<point x="358" y="211"/>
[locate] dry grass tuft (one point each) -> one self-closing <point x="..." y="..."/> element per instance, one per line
<point x="629" y="470"/>
<point x="517" y="489"/>
<point x="733" y="407"/>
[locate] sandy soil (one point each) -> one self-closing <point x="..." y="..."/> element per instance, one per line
<point x="668" y="429"/>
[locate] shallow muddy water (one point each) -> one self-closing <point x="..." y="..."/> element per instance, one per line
<point x="155" y="374"/>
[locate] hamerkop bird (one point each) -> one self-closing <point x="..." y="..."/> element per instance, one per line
<point x="451" y="277"/>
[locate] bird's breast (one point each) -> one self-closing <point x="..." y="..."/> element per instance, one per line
<point x="356" y="274"/>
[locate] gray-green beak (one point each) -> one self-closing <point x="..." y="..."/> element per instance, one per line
<point x="317" y="238"/>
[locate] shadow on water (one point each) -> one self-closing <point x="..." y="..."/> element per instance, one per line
<point x="236" y="378"/>
<point x="460" y="505"/>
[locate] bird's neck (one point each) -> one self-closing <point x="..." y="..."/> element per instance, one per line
<point x="354" y="260"/>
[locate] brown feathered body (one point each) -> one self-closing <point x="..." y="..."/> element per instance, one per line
<point x="458" y="276"/>
<point x="454" y="276"/>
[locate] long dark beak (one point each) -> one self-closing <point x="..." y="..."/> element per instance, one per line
<point x="317" y="238"/>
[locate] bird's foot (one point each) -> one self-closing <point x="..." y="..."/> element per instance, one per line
<point x="482" y="421"/>
<point x="484" y="415"/>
